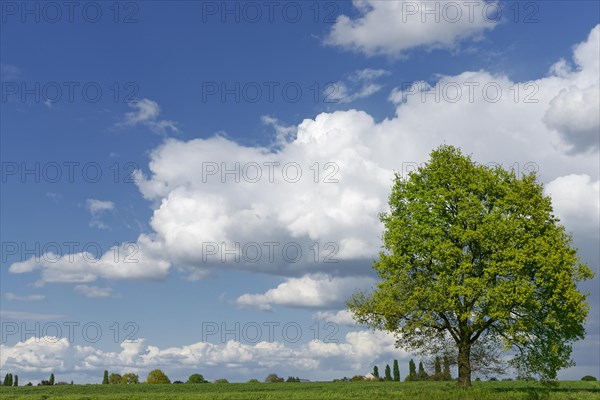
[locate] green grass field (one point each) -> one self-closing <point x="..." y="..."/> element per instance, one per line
<point x="574" y="390"/>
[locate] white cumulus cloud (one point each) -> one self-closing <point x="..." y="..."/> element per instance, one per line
<point x="330" y="178"/>
<point x="342" y="317"/>
<point x="308" y="291"/>
<point x="357" y="351"/>
<point x="576" y="200"/>
<point x="395" y="27"/>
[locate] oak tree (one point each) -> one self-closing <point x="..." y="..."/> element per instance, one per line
<point x="473" y="251"/>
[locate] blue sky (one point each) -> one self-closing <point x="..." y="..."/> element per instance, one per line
<point x="132" y="105"/>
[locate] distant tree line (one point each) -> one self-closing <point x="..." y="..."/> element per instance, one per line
<point x="441" y="371"/>
<point x="387" y="374"/>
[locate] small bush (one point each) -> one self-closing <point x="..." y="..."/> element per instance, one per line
<point x="157" y="377"/>
<point x="129" y="379"/>
<point x="222" y="380"/>
<point x="273" y="378"/>
<point x="196" y="378"/>
<point x="589" y="378"/>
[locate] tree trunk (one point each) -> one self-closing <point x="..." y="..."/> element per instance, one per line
<point x="464" y="364"/>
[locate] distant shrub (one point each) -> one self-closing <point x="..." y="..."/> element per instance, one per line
<point x="129" y="379"/>
<point x="222" y="380"/>
<point x="114" y="379"/>
<point x="157" y="377"/>
<point x="589" y="378"/>
<point x="177" y="383"/>
<point x="196" y="378"/>
<point x="253" y="381"/>
<point x="273" y="378"/>
<point x="357" y="378"/>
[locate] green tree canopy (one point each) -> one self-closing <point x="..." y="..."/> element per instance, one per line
<point x="412" y="371"/>
<point x="422" y="373"/>
<point x="196" y="378"/>
<point x="396" y="371"/>
<point x="130" y="379"/>
<point x="446" y="374"/>
<point x="437" y="369"/>
<point x="388" y="373"/>
<point x="105" y="378"/>
<point x="273" y="378"/>
<point x="157" y="377"/>
<point x="473" y="251"/>
<point x="114" y="379"/>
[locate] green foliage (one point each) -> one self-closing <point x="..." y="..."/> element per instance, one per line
<point x="273" y="378"/>
<point x="376" y="372"/>
<point x="129" y="379"/>
<point x="196" y="378"/>
<point x="388" y="373"/>
<point x="221" y="380"/>
<point x="422" y="373"/>
<point x="8" y="380"/>
<point x="115" y="379"/>
<point x="473" y="252"/>
<point x="253" y="381"/>
<point x="357" y="378"/>
<point x="16" y="381"/>
<point x="589" y="378"/>
<point x="51" y="380"/>
<point x="446" y="375"/>
<point x="292" y="379"/>
<point x="105" y="378"/>
<point x="157" y="377"/>
<point x="412" y="371"/>
<point x="396" y="371"/>
<point x="437" y="369"/>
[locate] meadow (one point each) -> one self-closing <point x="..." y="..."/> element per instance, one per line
<point x="509" y="390"/>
